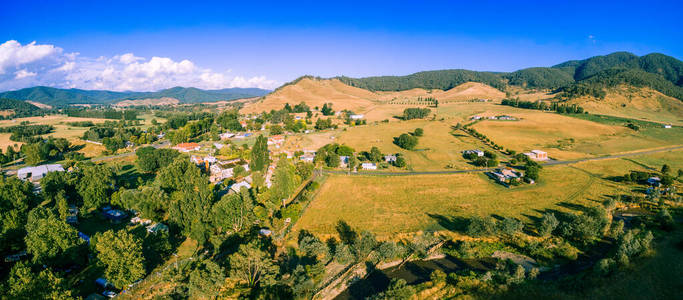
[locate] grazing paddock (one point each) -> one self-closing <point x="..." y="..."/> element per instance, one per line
<point x="392" y="205"/>
<point x="440" y="146"/>
<point x="565" y="137"/>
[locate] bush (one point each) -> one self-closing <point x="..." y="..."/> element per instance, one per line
<point x="548" y="224"/>
<point x="400" y="162"/>
<point x="415" y="113"/>
<point x="479" y="226"/>
<point x="419" y="132"/>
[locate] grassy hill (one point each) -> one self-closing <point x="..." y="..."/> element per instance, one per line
<point x="61" y="97"/>
<point x="575" y="78"/>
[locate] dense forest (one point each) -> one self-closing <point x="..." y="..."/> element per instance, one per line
<point x="20" y="108"/>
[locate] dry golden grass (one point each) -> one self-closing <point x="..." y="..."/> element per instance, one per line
<point x="392" y="205"/>
<point x="149" y="101"/>
<point x="635" y="103"/>
<point x="435" y="150"/>
<point x="62" y="130"/>
<point x="564" y="137"/>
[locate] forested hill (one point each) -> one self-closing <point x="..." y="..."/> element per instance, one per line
<point x="19" y="108"/>
<point x="60" y="97"/>
<point x="589" y="76"/>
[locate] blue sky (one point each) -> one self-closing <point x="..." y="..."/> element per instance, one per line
<point x="266" y="44"/>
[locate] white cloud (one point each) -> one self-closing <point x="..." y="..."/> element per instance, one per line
<point x="47" y="65"/>
<point x="23" y="74"/>
<point x="13" y="54"/>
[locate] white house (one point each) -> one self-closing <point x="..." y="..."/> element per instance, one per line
<point x="369" y="166"/>
<point x="343" y="160"/>
<point x="667" y="126"/>
<point x="356" y="117"/>
<point x="475" y="151"/>
<point x="218" y="146"/>
<point x="38" y="172"/>
<point x="390" y="158"/>
<point x="237" y="186"/>
<point x="226" y="135"/>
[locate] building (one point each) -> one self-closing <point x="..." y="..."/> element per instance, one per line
<point x="475" y="118"/>
<point x="38" y="172"/>
<point x="210" y="159"/>
<point x="276" y="140"/>
<point x="654" y="181"/>
<point x="343" y="160"/>
<point x="475" y="151"/>
<point x="540" y="155"/>
<point x="537" y="155"/>
<point x="356" y="117"/>
<point x="114" y="215"/>
<point x="507" y="118"/>
<point x="218" y="146"/>
<point x="226" y="135"/>
<point x="197" y="160"/>
<point x="390" y="158"/>
<point x="187" y="147"/>
<point x="667" y="126"/>
<point x="238" y="186"/>
<point x="157" y="227"/>
<point x="368" y="166"/>
<point x="506" y="175"/>
<point x="308" y="157"/>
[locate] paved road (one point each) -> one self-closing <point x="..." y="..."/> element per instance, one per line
<point x="549" y="163"/>
<point x="157" y="146"/>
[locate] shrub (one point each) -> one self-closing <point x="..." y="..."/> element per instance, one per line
<point x="419" y="132"/>
<point x="406" y="141"/>
<point x="479" y="226"/>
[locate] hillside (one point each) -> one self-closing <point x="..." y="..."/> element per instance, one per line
<point x="316" y="91"/>
<point x="637" y="103"/>
<point x="61" y="97"/>
<point x="17" y="108"/>
<point x="580" y="77"/>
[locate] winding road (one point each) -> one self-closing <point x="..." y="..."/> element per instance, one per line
<point x="549" y="163"/>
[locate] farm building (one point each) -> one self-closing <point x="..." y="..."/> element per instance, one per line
<point x="187" y="147"/>
<point x="390" y="158"/>
<point x="537" y="155"/>
<point x="475" y="151"/>
<point x="356" y="117"/>
<point x="506" y="175"/>
<point x="38" y="172"/>
<point x="369" y="166"/>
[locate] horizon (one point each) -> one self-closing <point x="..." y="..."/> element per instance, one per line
<point x="150" y="47"/>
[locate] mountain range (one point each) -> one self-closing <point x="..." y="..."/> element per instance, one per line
<point x="571" y="79"/>
<point x="59" y="97"/>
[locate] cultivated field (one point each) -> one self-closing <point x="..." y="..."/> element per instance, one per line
<point x="401" y="204"/>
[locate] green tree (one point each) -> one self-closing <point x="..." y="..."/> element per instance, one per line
<point x="406" y="141"/>
<point x="121" y="253"/>
<point x="666" y="169"/>
<point x="259" y="155"/>
<point x="375" y="154"/>
<point x="49" y="239"/>
<point x="398" y="289"/>
<point x="94" y="185"/>
<point x="16" y="199"/>
<point x="233" y="212"/>
<point x="285" y="181"/>
<point x="253" y="266"/>
<point x="548" y="224"/>
<point x="23" y="283"/>
<point x="400" y="162"/>
<point x="205" y="280"/>
<point x="419" y="132"/>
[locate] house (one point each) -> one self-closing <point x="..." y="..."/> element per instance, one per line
<point x="308" y="157"/>
<point x="160" y="136"/>
<point x="667" y="126"/>
<point x="38" y="172"/>
<point x="506" y="117"/>
<point x="129" y="144"/>
<point x="475" y="151"/>
<point x="276" y="140"/>
<point x="197" y="160"/>
<point x="540" y="155"/>
<point x="187" y="147"/>
<point x="218" y="173"/>
<point x="210" y="159"/>
<point x="356" y="117"/>
<point x="218" y="146"/>
<point x="492" y="118"/>
<point x="506" y="175"/>
<point x="475" y="118"/>
<point x="654" y="181"/>
<point x="265" y="232"/>
<point x="537" y="155"/>
<point x="157" y="227"/>
<point x="368" y="166"/>
<point x="243" y="123"/>
<point x="238" y="186"/>
<point x="343" y="160"/>
<point x="226" y="135"/>
<point x="141" y="221"/>
<point x="114" y="215"/>
<point x="390" y="158"/>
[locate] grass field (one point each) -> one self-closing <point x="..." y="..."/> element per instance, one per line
<point x="439" y="147"/>
<point x="565" y="137"/>
<point x="400" y="204"/>
<point x="62" y="130"/>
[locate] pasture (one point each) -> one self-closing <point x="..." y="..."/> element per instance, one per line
<point x="391" y="205"/>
